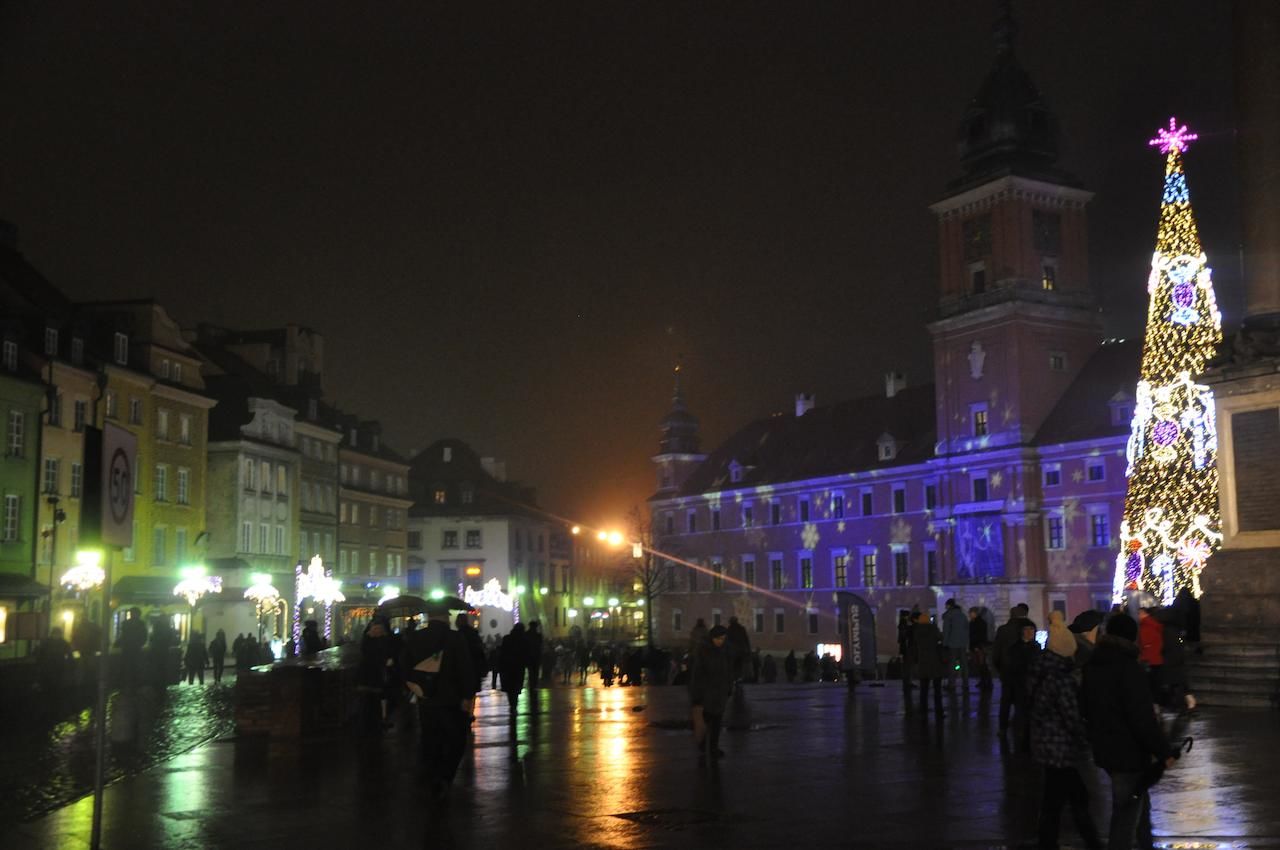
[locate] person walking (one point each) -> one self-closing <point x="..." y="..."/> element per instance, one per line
<point x="495" y="664"/>
<point x="905" y="625"/>
<point x="1126" y="737"/>
<point x="955" y="641"/>
<point x="218" y="654"/>
<point x="311" y="640"/>
<point x="769" y="670"/>
<point x="1176" y="689"/>
<point x="479" y="664"/>
<point x="436" y="666"/>
<point x="1151" y="648"/>
<point x="791" y="666"/>
<point x="1017" y="670"/>
<point x="978" y="643"/>
<point x="739" y="646"/>
<point x="1006" y="636"/>
<point x="133" y="636"/>
<point x="710" y="684"/>
<point x="697" y="634"/>
<point x="926" y="660"/>
<point x="1059" y="740"/>
<point x="533" y="653"/>
<point x="378" y="658"/>
<point x="196" y="658"/>
<point x="513" y="663"/>
<point x="51" y="664"/>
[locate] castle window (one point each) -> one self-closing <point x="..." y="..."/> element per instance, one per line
<point x="977" y="238"/>
<point x="1049" y="275"/>
<point x="1046" y="232"/>
<point x="978" y="415"/>
<point x="977" y="278"/>
<point x="1058" y="361"/>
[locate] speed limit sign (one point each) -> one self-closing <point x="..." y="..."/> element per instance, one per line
<point x="119" y="451"/>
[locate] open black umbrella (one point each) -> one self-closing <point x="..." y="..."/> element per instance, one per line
<point x="411" y="606"/>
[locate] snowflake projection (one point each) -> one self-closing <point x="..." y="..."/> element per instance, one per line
<point x="809" y="535"/>
<point x="900" y="531"/>
<point x="1077" y="476"/>
<point x="931" y="528"/>
<point x="996" y="478"/>
<point x="1070" y="509"/>
<point x="1007" y="414"/>
<point x="840" y="526"/>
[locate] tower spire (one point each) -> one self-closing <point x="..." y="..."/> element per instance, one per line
<point x="1005" y="28"/>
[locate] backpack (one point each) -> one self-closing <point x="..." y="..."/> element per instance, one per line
<point x="424" y="679"/>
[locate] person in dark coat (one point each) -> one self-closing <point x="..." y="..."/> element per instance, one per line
<point x="1126" y="737"/>
<point x="1059" y="740"/>
<point x="1006" y="636"/>
<point x="739" y="645"/>
<point x="769" y="670"/>
<point x="1085" y="630"/>
<point x="710" y="684"/>
<point x="955" y="644"/>
<point x="1189" y="608"/>
<point x="164" y="639"/>
<point x="513" y="665"/>
<point x="218" y="654"/>
<point x="697" y="634"/>
<point x="1175" y="690"/>
<point x="1015" y="676"/>
<point x="51" y="662"/>
<point x="311" y="640"/>
<point x="809" y="666"/>
<point x="436" y="666"/>
<point x="978" y="643"/>
<point x="533" y="653"/>
<point x="495" y="664"/>
<point x="378" y="658"/>
<point x="196" y="658"/>
<point x="906" y="623"/>
<point x="791" y="666"/>
<point x="926" y="661"/>
<point x="133" y="636"/>
<point x="479" y="664"/>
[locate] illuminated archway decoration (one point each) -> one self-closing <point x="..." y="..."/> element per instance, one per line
<point x="196" y="585"/>
<point x="490" y="596"/>
<point x="316" y="584"/>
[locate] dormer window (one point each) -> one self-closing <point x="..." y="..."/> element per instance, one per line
<point x="51" y="342"/>
<point x="438" y="497"/>
<point x="1121" y="410"/>
<point x="77" y="350"/>
<point x="121" y="349"/>
<point x="164" y="368"/>
<point x="10" y="356"/>
<point x="735" y="472"/>
<point x="886" y="447"/>
<point x="177" y="373"/>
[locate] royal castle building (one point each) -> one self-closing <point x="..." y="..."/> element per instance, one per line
<point x="1002" y="481"/>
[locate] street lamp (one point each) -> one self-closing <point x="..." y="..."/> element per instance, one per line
<point x="194" y="585"/>
<point x="264" y="596"/>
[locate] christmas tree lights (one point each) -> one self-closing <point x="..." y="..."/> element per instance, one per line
<point x="1171" y="524"/>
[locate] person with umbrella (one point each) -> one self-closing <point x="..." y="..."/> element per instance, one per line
<point x="437" y="668"/>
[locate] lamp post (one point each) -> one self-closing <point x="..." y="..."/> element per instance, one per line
<point x="193" y="587"/>
<point x="264" y="596"/>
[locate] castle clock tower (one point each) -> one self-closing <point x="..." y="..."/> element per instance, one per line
<point x="1016" y="316"/>
<point x="679" y="448"/>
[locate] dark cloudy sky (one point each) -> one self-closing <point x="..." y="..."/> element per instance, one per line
<point x="507" y="219"/>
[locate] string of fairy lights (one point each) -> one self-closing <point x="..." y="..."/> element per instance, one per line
<point x="1171" y="524"/>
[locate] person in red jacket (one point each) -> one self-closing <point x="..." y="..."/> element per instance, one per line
<point x="1151" y="648"/>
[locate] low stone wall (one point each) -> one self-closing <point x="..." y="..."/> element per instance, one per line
<point x="298" y="696"/>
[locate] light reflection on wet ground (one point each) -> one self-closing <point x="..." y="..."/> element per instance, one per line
<point x="613" y="768"/>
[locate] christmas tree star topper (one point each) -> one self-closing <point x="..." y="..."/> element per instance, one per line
<point x="1174" y="139"/>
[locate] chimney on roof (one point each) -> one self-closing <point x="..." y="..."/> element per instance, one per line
<point x="804" y="403"/>
<point x="894" y="383"/>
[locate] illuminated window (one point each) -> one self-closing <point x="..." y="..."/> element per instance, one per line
<point x="77" y="480"/>
<point x="51" y="465"/>
<point x="837" y="507"/>
<point x="1054" y="532"/>
<point x="979" y="481"/>
<point x="901" y="568"/>
<point x="4" y="624"/>
<point x="777" y="576"/>
<point x="438" y="497"/>
<point x="1049" y="276"/>
<point x="473" y="538"/>
<point x="184" y="486"/>
<point x="749" y="571"/>
<point x="162" y="424"/>
<point x="113" y="404"/>
<point x="246" y="537"/>
<point x="1099" y="528"/>
<point x="978" y="416"/>
<point x="17" y="433"/>
<point x="12" y="516"/>
<point x="162" y="483"/>
<point x="868" y="569"/>
<point x="806" y="572"/>
<point x="717" y="575"/>
<point x="840" y="562"/>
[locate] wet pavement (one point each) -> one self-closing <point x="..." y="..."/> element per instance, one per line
<point x="614" y="768"/>
<point x="47" y="754"/>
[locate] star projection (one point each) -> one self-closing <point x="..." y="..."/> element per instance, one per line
<point x="1171" y="525"/>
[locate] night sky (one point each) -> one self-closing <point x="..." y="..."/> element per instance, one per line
<point x="508" y="220"/>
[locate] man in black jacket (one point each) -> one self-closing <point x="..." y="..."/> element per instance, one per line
<point x="1006" y="636"/>
<point x="1126" y="737"/>
<point x="437" y="667"/>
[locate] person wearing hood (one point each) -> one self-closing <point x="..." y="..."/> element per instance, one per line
<point x="436" y="666"/>
<point x="1126" y="737"/>
<point x="710" y="684"/>
<point x="1059" y="740"/>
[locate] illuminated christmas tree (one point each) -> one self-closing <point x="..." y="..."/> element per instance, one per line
<point x="1171" y="521"/>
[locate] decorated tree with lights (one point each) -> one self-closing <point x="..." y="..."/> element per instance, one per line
<point x="1171" y="524"/>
